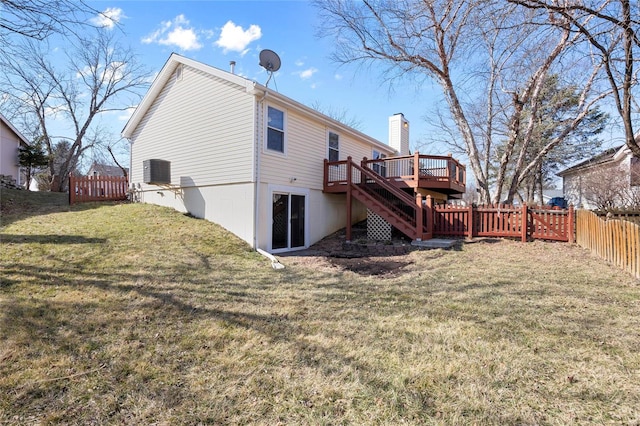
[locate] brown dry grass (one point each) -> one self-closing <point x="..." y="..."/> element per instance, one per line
<point x="138" y="314"/>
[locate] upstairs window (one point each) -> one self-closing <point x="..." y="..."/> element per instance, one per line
<point x="275" y="130"/>
<point x="334" y="147"/>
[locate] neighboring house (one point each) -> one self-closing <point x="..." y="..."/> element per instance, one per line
<point x="99" y="169"/>
<point x="227" y="149"/>
<point x="10" y="140"/>
<point x="609" y="179"/>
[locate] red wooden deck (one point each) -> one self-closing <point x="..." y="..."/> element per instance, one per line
<point x="443" y="174"/>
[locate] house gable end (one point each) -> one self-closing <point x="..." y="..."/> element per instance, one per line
<point x="168" y="74"/>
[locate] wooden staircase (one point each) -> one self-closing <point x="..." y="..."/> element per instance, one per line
<point x="401" y="210"/>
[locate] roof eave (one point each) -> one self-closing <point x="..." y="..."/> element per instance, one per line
<point x="251" y="87"/>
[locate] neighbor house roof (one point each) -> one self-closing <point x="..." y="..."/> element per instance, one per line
<point x="604" y="157"/>
<point x="105" y="170"/>
<point x="250" y="86"/>
<point x="23" y="140"/>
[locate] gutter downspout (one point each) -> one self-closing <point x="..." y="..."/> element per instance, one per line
<point x="275" y="264"/>
<point x="130" y="164"/>
<point x="256" y="191"/>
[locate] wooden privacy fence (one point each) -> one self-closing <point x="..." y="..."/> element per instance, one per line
<point x="97" y="188"/>
<point x="617" y="241"/>
<point x="504" y="221"/>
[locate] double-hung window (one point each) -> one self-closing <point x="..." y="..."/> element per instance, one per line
<point x="275" y="130"/>
<point x="334" y="147"/>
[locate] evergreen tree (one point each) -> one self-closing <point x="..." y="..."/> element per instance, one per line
<point x="32" y="157"/>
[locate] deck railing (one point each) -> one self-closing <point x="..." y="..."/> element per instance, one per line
<point x="416" y="170"/>
<point x="419" y="167"/>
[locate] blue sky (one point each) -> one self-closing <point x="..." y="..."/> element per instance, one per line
<point x="217" y="32"/>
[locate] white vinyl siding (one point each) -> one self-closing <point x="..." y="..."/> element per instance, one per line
<point x="306" y="151"/>
<point x="204" y="126"/>
<point x="9" y="144"/>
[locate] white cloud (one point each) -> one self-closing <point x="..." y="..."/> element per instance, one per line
<point x="234" y="38"/>
<point x="184" y="38"/>
<point x="175" y="33"/>
<point x="108" y="18"/>
<point x="308" y="73"/>
<point x="299" y="63"/>
<point x="338" y="77"/>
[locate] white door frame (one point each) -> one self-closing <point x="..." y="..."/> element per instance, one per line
<point x="288" y="190"/>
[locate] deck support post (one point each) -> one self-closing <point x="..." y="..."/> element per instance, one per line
<point x="429" y="217"/>
<point x="419" y="215"/>
<point x="326" y="175"/>
<point x="349" y="183"/>
<point x="416" y="168"/>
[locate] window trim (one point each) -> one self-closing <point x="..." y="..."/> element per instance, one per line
<point x="329" y="149"/>
<point x="266" y="148"/>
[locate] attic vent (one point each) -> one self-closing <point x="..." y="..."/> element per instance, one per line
<point x="157" y="172"/>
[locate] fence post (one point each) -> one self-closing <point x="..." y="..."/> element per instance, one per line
<point x="416" y="166"/>
<point x="525" y="223"/>
<point x="470" y="222"/>
<point x="348" y="230"/>
<point x="572" y="224"/>
<point x="72" y="192"/>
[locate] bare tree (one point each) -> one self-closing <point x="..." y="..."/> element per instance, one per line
<point x="101" y="76"/>
<point x="608" y="189"/>
<point x="612" y="31"/>
<point x="38" y="19"/>
<point x="341" y="115"/>
<point x="490" y="60"/>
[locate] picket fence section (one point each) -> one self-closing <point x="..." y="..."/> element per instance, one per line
<point x="504" y="221"/>
<point x="97" y="188"/>
<point x="617" y="241"/>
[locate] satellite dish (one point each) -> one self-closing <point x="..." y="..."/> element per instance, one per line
<point x="270" y="61"/>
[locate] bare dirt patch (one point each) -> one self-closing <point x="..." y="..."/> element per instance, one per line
<point x="385" y="259"/>
<point x="380" y="266"/>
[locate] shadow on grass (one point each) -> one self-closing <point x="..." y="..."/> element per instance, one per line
<point x="67" y="329"/>
<point x="49" y="239"/>
<point x="17" y="205"/>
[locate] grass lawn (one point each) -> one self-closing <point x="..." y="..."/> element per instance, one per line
<point x="136" y="314"/>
